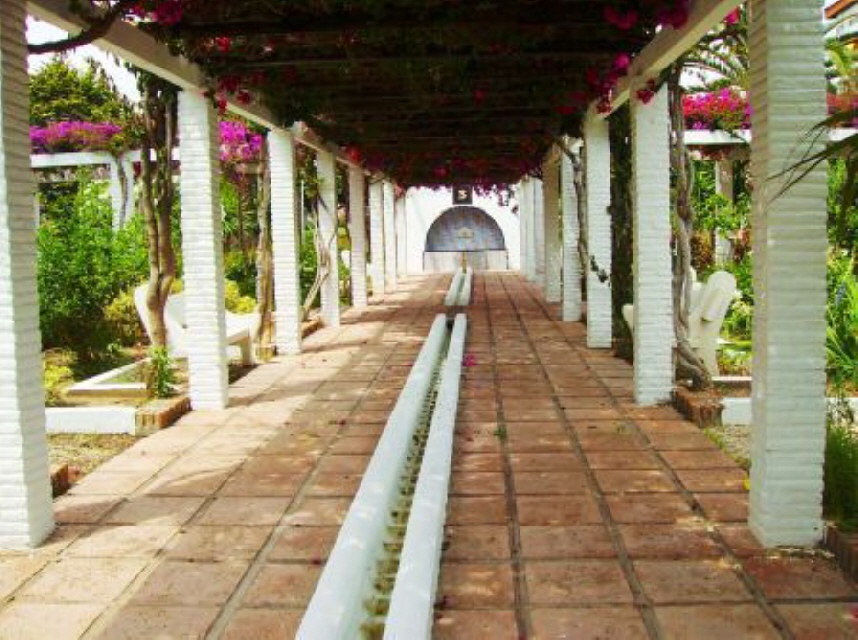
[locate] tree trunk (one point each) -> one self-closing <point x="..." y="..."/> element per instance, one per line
<point x="264" y="256"/>
<point x="688" y="363"/>
<point x="157" y="197"/>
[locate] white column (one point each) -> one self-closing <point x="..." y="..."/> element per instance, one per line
<point x="285" y="242"/>
<point x="26" y="510"/>
<point x="326" y="166"/>
<point x="401" y="236"/>
<point x="376" y="236"/>
<point x="389" y="237"/>
<point x="357" y="231"/>
<point x="202" y="252"/>
<point x="653" y="293"/>
<point x="597" y="167"/>
<point x="789" y="243"/>
<point x="538" y="233"/>
<point x="571" y="235"/>
<point x="551" y="213"/>
<point x="525" y="206"/>
<point x="522" y="228"/>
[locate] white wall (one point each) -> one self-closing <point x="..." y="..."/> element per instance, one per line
<point x="424" y="206"/>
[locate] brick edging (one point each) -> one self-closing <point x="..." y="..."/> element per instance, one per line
<point x="844" y="546"/>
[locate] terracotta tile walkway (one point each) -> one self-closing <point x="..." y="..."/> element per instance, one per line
<point x="573" y="514"/>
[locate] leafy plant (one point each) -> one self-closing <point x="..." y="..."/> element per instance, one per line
<point x="842" y="325"/>
<point x="82" y="266"/>
<point x="234" y="301"/>
<point x="160" y="373"/>
<point x="57" y="375"/>
<point x="840" y="494"/>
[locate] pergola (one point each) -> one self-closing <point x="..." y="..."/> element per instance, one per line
<point x="456" y="92"/>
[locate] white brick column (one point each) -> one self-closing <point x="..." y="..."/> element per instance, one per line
<point x="571" y="235"/>
<point x="653" y="293"/>
<point x="597" y="168"/>
<point x="401" y="236"/>
<point x="26" y="510"/>
<point x="789" y="243"/>
<point x="357" y="231"/>
<point x="326" y="166"/>
<point x="522" y="228"/>
<point x="390" y="268"/>
<point x="551" y="237"/>
<point x="376" y="236"/>
<point x="202" y="251"/>
<point x="538" y="212"/>
<point x="285" y="242"/>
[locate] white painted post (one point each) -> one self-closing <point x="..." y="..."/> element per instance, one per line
<point x="202" y="252"/>
<point x="572" y="302"/>
<point x="522" y="227"/>
<point x="597" y="169"/>
<point x="401" y="236"/>
<point x="326" y="166"/>
<point x="789" y="243"/>
<point x="653" y="293"/>
<point x="551" y="213"/>
<point x="285" y="243"/>
<point x="538" y="233"/>
<point x="26" y="510"/>
<point x="526" y="206"/>
<point x="390" y="268"/>
<point x="376" y="236"/>
<point x="357" y="231"/>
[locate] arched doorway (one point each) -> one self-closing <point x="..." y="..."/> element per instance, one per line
<point x="464" y="231"/>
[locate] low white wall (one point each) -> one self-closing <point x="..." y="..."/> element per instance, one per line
<point x="424" y="206"/>
<point x="737" y="411"/>
<point x="97" y="420"/>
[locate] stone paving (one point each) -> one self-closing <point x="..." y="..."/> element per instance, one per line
<point x="573" y="514"/>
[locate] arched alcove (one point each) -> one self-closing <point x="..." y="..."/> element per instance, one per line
<point x="468" y="232"/>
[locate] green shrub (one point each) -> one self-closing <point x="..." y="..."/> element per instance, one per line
<point x="57" y="375"/>
<point x="234" y="301"/>
<point x="840" y="496"/>
<point x="82" y="266"/>
<point x="241" y="269"/>
<point x="160" y="373"/>
<point x="124" y="321"/>
<point x="307" y="271"/>
<point x="842" y="324"/>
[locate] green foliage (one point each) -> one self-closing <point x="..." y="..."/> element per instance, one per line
<point x="840" y="495"/>
<point x="842" y="323"/>
<point x="307" y="273"/>
<point x="241" y="270"/>
<point x="842" y="216"/>
<point x="123" y="320"/>
<point x="234" y="301"/>
<point x="713" y="210"/>
<point x="622" y="286"/>
<point x="82" y="266"/>
<point x="160" y="373"/>
<point x="58" y="91"/>
<point x="57" y="368"/>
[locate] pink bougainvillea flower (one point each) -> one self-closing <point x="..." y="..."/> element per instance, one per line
<point x="470" y="360"/>
<point x="622" y="63"/>
<point x="623" y="20"/>
<point x="223" y="44"/>
<point x="732" y="17"/>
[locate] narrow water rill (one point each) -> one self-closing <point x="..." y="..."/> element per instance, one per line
<point x="361" y="581"/>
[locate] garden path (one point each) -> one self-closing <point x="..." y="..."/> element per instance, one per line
<point x="573" y="513"/>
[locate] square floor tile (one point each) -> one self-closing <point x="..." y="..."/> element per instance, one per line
<point x="576" y="582"/>
<point x="712" y="621"/>
<point x="687" y="581"/>
<point x="619" y="622"/>
<point x="466" y="586"/>
<point x="584" y="541"/>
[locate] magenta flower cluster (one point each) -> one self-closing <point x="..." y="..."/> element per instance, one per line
<point x="238" y="144"/>
<point x="68" y="136"/>
<point x="727" y="110"/>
